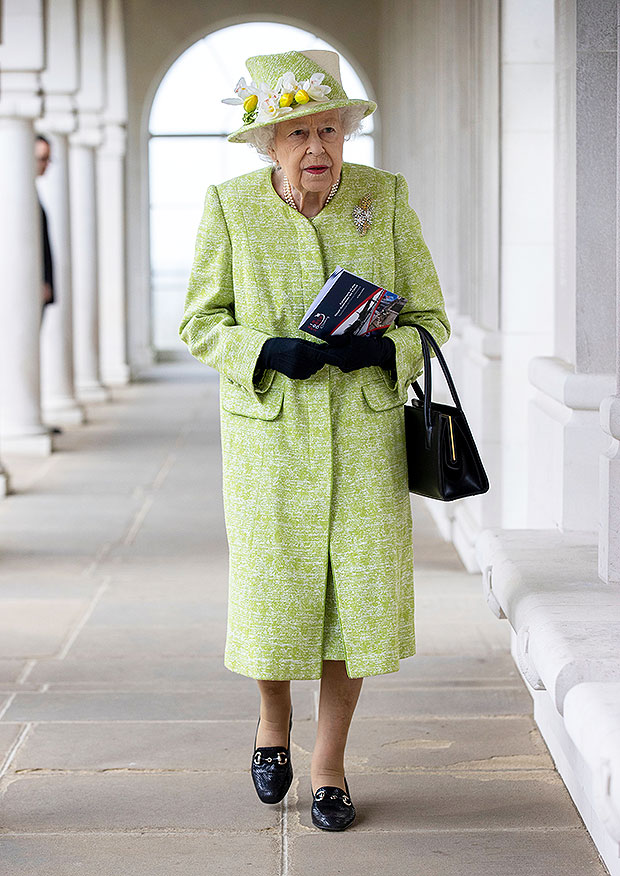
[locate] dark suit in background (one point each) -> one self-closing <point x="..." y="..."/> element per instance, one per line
<point x="48" y="266"/>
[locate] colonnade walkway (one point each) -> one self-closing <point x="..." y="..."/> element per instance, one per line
<point x="124" y="742"/>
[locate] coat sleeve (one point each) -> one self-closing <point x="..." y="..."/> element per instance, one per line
<point x="416" y="280"/>
<point x="208" y="326"/>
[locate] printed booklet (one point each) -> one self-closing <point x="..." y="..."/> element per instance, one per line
<point x="350" y="305"/>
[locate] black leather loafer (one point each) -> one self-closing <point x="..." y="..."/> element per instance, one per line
<point x="272" y="771"/>
<point x="332" y="808"/>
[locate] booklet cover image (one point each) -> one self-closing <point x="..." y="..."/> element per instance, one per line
<point x="350" y="305"/>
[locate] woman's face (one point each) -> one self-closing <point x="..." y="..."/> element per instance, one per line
<point x="309" y="150"/>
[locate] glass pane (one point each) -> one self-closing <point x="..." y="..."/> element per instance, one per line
<point x="360" y="150"/>
<point x="181" y="168"/>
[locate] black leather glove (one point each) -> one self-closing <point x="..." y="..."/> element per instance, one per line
<point x="352" y="352"/>
<point x="295" y="357"/>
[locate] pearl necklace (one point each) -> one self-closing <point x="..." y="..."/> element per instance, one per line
<point x="290" y="200"/>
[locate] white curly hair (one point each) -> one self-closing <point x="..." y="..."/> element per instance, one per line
<point x="262" y="139"/>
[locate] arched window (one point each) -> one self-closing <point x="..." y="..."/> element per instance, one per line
<point x="188" y="150"/>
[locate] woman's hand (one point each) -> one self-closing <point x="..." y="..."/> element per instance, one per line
<point x="295" y="357"/>
<point x="352" y="352"/>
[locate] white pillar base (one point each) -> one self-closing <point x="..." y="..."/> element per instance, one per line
<point x="93" y="394"/>
<point x="564" y="419"/>
<point x="119" y="376"/>
<point x="609" y="475"/>
<point x="29" y="445"/>
<point x="64" y="413"/>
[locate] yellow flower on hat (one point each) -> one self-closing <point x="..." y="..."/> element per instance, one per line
<point x="287" y="98"/>
<point x="269" y="106"/>
<point x="302" y="96"/>
<point x="249" y="104"/>
<point x="243" y="92"/>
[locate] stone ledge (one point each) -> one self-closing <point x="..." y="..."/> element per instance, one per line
<point x="592" y="720"/>
<point x="566" y="623"/>
<point x="558" y="378"/>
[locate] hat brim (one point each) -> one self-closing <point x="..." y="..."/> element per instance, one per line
<point x="240" y="136"/>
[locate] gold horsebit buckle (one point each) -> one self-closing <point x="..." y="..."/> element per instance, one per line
<point x="320" y="795"/>
<point x="281" y="758"/>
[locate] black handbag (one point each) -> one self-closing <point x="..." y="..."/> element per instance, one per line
<point x="442" y="458"/>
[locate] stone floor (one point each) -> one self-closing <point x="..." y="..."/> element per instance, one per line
<point x="125" y="743"/>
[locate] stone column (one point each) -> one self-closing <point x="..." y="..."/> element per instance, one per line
<point x="111" y="204"/>
<point x="21" y="428"/>
<point x="527" y="244"/>
<point x="609" y="531"/>
<point x="84" y="264"/>
<point x="57" y="376"/>
<point x="21" y="59"/>
<point x="90" y="100"/>
<point x="60" y="82"/>
<point x="564" y="416"/>
<point x="475" y="348"/>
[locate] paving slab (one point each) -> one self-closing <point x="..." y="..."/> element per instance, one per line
<point x="193" y="565"/>
<point x="438" y="636"/>
<point x="149" y="854"/>
<point x="379" y="744"/>
<point x="456" y="800"/>
<point x="107" y="745"/>
<point x="490" y="700"/>
<point x="142" y="643"/>
<point x="9" y="733"/>
<point x="223" y="702"/>
<point x="126" y="672"/>
<point x="47" y="583"/>
<point x="422" y="670"/>
<point x="168" y="612"/>
<point x="121" y="801"/>
<point x="11" y="669"/>
<point x="37" y="627"/>
<point x="147" y="581"/>
<point x="130" y="583"/>
<point x="446" y="853"/>
<point x="64" y="525"/>
<point x="23" y="573"/>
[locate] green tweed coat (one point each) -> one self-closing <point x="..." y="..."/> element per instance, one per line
<point x="314" y="471"/>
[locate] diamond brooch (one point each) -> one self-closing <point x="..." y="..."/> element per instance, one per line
<point x="362" y="214"/>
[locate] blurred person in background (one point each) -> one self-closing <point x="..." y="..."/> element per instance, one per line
<point x="42" y="153"/>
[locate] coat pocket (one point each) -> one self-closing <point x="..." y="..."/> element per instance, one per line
<point x="380" y="397"/>
<point x="260" y="406"/>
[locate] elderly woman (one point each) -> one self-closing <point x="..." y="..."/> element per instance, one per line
<point x="316" y="501"/>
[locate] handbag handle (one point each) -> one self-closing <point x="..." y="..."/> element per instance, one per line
<point x="427" y="340"/>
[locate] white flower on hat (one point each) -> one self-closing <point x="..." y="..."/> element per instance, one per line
<point x="245" y="95"/>
<point x="269" y="105"/>
<point x="287" y="83"/>
<point x="314" y="89"/>
<point x="287" y="87"/>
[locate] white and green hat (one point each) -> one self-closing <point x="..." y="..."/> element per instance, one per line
<point x="288" y="86"/>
